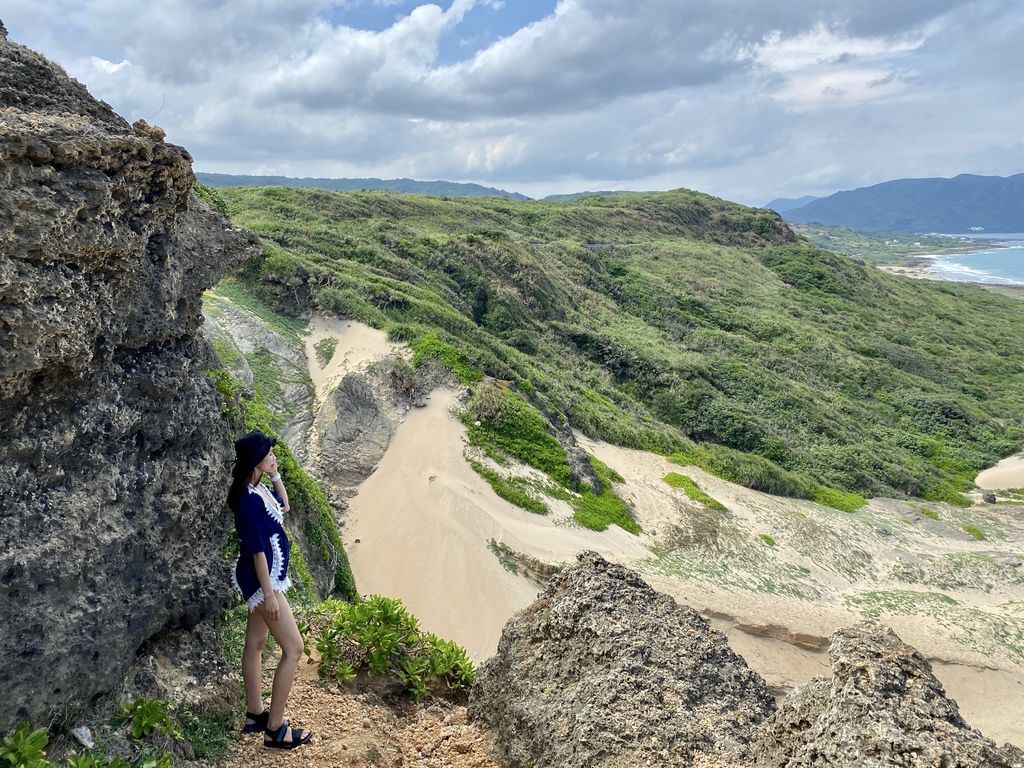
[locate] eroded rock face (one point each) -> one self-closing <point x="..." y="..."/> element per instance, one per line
<point x="113" y="454"/>
<point x="604" y="671"/>
<point x="882" y="707"/>
<point x="354" y="432"/>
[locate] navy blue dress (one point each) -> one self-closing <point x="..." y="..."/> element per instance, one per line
<point x="259" y="522"/>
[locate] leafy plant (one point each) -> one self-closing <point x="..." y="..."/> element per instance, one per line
<point x="148" y="716"/>
<point x="25" y="748"/>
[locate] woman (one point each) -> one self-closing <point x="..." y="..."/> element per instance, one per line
<point x="261" y="575"/>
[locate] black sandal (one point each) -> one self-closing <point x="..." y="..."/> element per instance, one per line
<point x="259" y="722"/>
<point x="299" y="737"/>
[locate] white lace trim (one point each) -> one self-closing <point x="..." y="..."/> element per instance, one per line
<point x="277" y="583"/>
<point x="278" y="564"/>
<point x="273" y="508"/>
<point x="257" y="596"/>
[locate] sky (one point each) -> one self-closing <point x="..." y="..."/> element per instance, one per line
<point x="744" y="99"/>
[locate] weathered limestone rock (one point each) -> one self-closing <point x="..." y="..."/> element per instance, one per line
<point x="604" y="671"/>
<point x="353" y="433"/>
<point x="113" y="452"/>
<point x="883" y="707"/>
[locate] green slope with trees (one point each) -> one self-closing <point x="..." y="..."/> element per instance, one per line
<point x="653" y="320"/>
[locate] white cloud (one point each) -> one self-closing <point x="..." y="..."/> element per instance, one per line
<point x="743" y="98"/>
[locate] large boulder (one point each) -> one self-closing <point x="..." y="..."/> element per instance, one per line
<point x="603" y="671"/>
<point x="883" y="707"/>
<point x="114" y="457"/>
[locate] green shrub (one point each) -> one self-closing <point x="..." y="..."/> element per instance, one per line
<point x="25" y="748"/>
<point x="766" y="539"/>
<point x="598" y="511"/>
<point x="325" y="349"/>
<point x="379" y="636"/>
<point x="148" y="716"/>
<point x="210" y="731"/>
<point x="931" y="514"/>
<point x="692" y="490"/>
<point x="211" y="197"/>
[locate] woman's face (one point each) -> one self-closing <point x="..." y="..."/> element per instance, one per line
<point x="269" y="463"/>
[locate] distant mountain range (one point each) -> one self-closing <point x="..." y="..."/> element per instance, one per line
<point x="964" y="203"/>
<point x="783" y="204"/>
<point x="412" y="186"/>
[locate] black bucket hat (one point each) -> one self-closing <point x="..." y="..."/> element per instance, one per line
<point x="251" y="448"/>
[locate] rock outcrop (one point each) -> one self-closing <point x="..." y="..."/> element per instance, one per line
<point x="882" y="707"/>
<point x="113" y="455"/>
<point x="603" y="671"/>
<point x="354" y="432"/>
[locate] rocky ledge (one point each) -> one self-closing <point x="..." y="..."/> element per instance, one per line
<point x="113" y="453"/>
<point x="602" y="671"/>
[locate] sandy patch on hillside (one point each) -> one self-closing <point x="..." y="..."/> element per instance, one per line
<point x="1008" y="473"/>
<point x="423" y="521"/>
<point x="358" y="345"/>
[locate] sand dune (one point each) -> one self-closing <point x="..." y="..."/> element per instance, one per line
<point x="423" y="521"/>
<point x="1008" y="473"/>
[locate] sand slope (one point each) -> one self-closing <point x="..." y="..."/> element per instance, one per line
<point x="1008" y="473"/>
<point x="423" y="521"/>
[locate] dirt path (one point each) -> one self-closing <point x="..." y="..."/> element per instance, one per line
<point x="358" y="729"/>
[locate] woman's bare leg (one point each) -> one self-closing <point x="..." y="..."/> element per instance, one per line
<point x="286" y="633"/>
<point x="256" y="631"/>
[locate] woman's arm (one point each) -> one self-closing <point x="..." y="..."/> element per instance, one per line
<point x="279" y="488"/>
<point x="271" y="608"/>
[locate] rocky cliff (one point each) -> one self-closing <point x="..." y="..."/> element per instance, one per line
<point x="113" y="454"/>
<point x="603" y="671"/>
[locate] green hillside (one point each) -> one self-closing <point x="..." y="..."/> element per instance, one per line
<point x="648" y="319"/>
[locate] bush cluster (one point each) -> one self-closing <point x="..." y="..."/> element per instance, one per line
<point x="380" y="637"/>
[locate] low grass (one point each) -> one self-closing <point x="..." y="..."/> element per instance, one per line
<point x="598" y="511"/>
<point x="693" y="491"/>
<point x="766" y="539"/>
<point x="514" y="490"/>
<point x="974" y="531"/>
<point x="325" y="350"/>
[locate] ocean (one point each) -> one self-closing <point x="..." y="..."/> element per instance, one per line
<point x="1001" y="265"/>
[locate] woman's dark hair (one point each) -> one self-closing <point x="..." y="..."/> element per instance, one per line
<point x="250" y="450"/>
<point x="240" y="476"/>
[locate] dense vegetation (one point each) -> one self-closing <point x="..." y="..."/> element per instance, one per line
<point x="380" y="637"/>
<point x="650" y="319"/>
